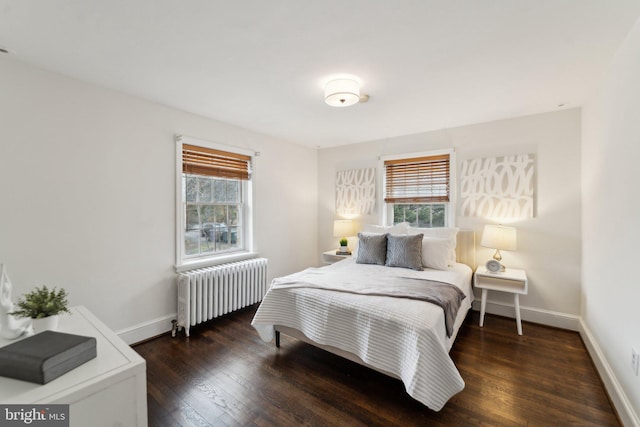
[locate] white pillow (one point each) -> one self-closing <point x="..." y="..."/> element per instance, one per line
<point x="390" y="229"/>
<point x="439" y="233"/>
<point x="436" y="253"/>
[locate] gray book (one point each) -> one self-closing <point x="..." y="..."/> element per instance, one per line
<point x="45" y="356"/>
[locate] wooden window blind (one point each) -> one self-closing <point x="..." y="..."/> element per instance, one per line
<point x="417" y="180"/>
<point x="209" y="162"/>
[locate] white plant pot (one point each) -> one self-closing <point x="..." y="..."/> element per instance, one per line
<point x="45" y="324"/>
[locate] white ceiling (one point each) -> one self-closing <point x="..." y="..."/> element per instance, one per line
<point x="426" y="64"/>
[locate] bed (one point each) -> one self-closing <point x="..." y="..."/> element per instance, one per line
<point x="347" y="308"/>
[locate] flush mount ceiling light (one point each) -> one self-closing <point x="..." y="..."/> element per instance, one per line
<point x="342" y="92"/>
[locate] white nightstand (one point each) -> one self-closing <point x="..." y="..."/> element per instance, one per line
<point x="511" y="280"/>
<point x="329" y="257"/>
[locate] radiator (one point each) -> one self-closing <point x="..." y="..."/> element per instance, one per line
<point x="210" y="292"/>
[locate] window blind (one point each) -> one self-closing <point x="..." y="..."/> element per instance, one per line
<point x="209" y="162"/>
<point x="417" y="180"/>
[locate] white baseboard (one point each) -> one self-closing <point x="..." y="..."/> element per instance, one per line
<point x="623" y="406"/>
<point x="617" y="395"/>
<point x="147" y="330"/>
<point x="534" y="315"/>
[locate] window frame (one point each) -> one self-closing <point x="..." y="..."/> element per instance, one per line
<point x="186" y="262"/>
<point x="386" y="213"/>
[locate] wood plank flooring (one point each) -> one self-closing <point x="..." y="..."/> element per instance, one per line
<point x="224" y="375"/>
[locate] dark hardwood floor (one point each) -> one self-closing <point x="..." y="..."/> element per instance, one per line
<point x="224" y="375"/>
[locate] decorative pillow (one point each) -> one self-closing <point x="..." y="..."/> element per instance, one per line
<point x="436" y="253"/>
<point x="391" y="229"/>
<point x="357" y="243"/>
<point x="372" y="248"/>
<point x="439" y="233"/>
<point x="404" y="251"/>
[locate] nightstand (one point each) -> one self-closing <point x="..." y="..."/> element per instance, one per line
<point x="511" y="280"/>
<point x="330" y="257"/>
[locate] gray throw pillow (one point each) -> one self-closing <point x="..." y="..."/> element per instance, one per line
<point x="404" y="251"/>
<point x="372" y="248"/>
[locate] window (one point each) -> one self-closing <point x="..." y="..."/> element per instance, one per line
<point x="417" y="190"/>
<point x="420" y="215"/>
<point x="214" y="202"/>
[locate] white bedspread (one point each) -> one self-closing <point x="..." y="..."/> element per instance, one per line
<point x="406" y="338"/>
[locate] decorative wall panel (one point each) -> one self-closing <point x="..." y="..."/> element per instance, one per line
<point x="498" y="187"/>
<point x="355" y="191"/>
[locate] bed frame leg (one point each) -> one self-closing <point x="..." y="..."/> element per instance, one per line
<point x="278" y="339"/>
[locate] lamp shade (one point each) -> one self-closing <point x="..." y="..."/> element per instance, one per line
<point x="499" y="237"/>
<point x="342" y="92"/>
<point x="342" y="228"/>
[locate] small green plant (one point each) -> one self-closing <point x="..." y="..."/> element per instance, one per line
<point x="344" y="242"/>
<point x="42" y="302"/>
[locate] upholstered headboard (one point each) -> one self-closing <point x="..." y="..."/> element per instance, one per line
<point x="466" y="248"/>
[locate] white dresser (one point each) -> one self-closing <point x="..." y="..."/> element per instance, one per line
<point x="110" y="390"/>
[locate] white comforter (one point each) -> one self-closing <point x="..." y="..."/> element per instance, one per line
<point x="406" y="338"/>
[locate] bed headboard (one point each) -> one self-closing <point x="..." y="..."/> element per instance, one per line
<point x="466" y="248"/>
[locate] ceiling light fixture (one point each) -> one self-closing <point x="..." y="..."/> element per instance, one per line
<point x="342" y="92"/>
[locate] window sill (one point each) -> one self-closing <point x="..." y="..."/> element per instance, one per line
<point x="208" y="262"/>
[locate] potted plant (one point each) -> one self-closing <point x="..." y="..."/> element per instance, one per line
<point x="43" y="306"/>
<point x="343" y="245"/>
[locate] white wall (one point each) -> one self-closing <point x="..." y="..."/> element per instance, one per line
<point x="87" y="194"/>
<point x="611" y="224"/>
<point x="548" y="245"/>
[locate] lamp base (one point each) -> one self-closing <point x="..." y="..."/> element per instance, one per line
<point x="497" y="256"/>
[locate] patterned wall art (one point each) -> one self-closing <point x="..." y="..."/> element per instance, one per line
<point x="498" y="187"/>
<point x="355" y="192"/>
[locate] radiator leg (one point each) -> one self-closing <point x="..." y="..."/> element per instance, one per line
<point x="174" y="328"/>
<point x="278" y="339"/>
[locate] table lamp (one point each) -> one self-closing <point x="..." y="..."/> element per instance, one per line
<point x="498" y="237"/>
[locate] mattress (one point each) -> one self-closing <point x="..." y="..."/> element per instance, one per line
<point x="402" y="337"/>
